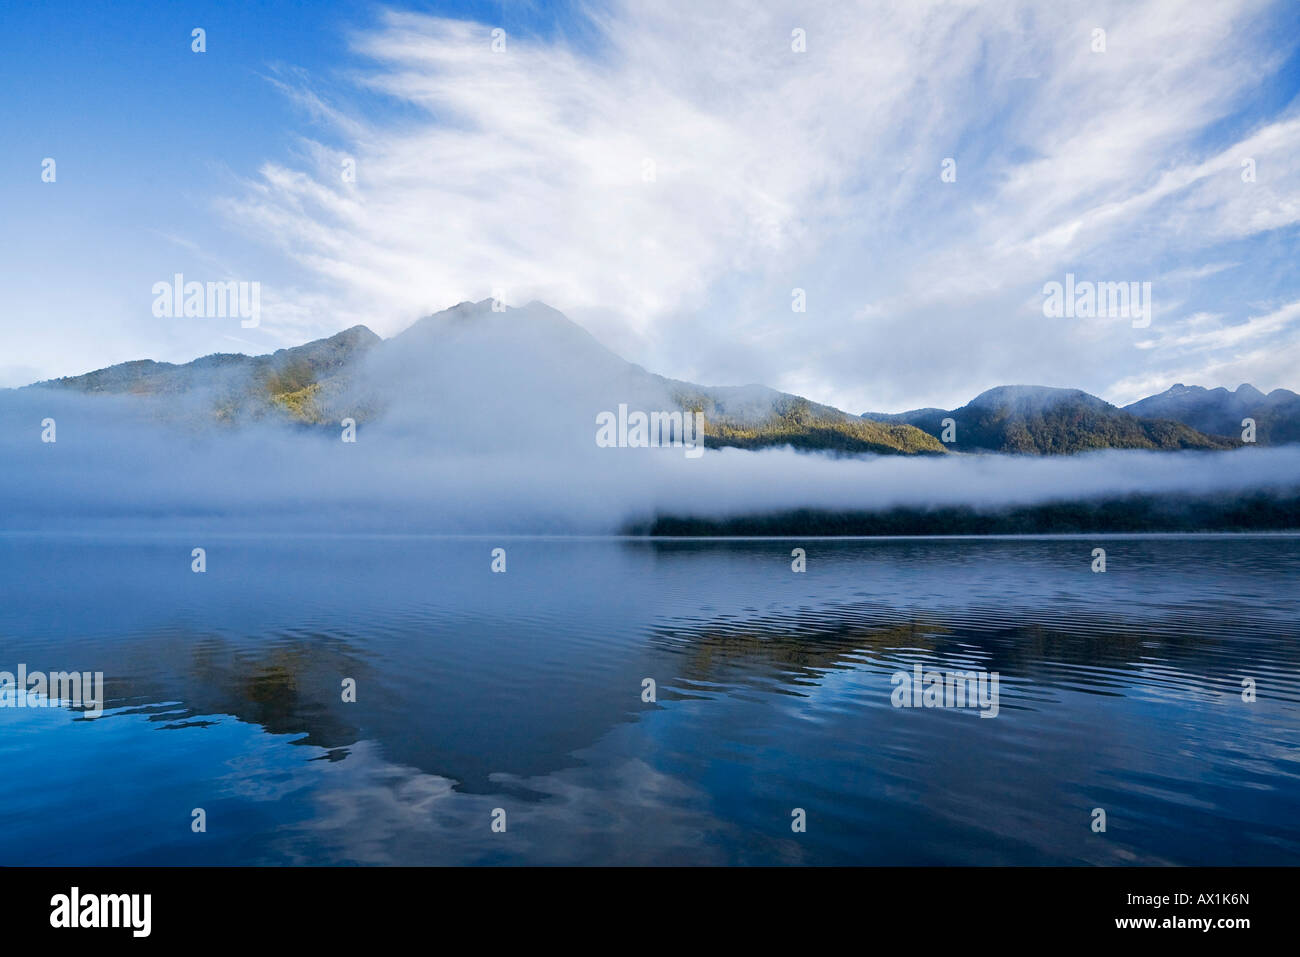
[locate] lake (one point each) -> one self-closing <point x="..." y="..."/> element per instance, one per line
<point x="518" y="699"/>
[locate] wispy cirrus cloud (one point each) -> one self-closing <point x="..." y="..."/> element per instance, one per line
<point x="672" y="179"/>
<point x="1263" y="347"/>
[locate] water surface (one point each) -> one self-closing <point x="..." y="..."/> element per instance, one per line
<point x="523" y="691"/>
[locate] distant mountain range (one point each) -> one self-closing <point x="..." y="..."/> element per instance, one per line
<point x="1219" y="412"/>
<point x="452" y="368"/>
<point x="468" y="364"/>
<point x="1038" y="420"/>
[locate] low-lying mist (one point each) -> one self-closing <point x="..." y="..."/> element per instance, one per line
<point x="114" y="463"/>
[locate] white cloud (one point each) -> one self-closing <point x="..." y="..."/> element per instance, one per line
<point x="1264" y="350"/>
<point x="1238" y="334"/>
<point x="525" y="170"/>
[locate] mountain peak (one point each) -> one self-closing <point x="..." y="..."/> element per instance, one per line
<point x="1032" y="397"/>
<point x="1220" y="411"/>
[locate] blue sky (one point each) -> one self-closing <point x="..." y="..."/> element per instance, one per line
<point x="770" y="169"/>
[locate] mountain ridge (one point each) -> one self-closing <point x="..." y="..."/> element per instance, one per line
<point x="1045" y="420"/>
<point x="1220" y="411"/>
<point x="544" y="355"/>
<point x="534" y="352"/>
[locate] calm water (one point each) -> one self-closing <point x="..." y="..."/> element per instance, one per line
<point x="523" y="691"/>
